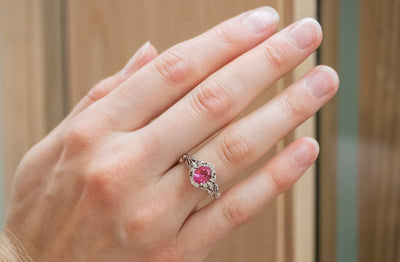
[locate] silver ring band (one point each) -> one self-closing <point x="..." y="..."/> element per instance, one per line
<point x="202" y="175"/>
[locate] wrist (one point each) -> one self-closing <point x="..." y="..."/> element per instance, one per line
<point x="12" y="249"/>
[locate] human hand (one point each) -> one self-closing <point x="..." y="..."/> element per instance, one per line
<point x="105" y="185"/>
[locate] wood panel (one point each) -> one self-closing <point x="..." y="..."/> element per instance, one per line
<point x="103" y="34"/>
<point x="31" y="83"/>
<point x="379" y="135"/>
<point x="327" y="136"/>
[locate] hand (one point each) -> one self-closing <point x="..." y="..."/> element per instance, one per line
<point x="105" y="185"/>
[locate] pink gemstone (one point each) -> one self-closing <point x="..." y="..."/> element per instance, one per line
<point x="202" y="174"/>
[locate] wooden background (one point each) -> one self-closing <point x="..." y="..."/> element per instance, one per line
<point x="53" y="51"/>
<point x="379" y="132"/>
<point x="328" y="54"/>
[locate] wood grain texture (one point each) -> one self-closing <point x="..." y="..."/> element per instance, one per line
<point x="30" y="82"/>
<point x="327" y="136"/>
<point x="103" y="34"/>
<point x="303" y="199"/>
<point x="379" y="135"/>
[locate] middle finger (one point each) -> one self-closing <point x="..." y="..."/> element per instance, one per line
<point x="166" y="79"/>
<point x="243" y="142"/>
<point x="222" y="96"/>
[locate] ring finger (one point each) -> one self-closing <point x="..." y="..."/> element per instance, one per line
<point x="243" y="142"/>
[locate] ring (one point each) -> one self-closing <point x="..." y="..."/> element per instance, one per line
<point x="202" y="175"/>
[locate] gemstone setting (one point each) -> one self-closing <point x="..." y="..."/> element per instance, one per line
<point x="202" y="175"/>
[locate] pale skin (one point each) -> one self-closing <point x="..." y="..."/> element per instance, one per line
<point x="105" y="185"/>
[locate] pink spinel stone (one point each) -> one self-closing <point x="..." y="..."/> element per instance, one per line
<point x="202" y="175"/>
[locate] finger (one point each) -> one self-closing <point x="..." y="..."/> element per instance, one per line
<point x="242" y="143"/>
<point x="246" y="199"/>
<point x="220" y="98"/>
<point x="176" y="71"/>
<point x="142" y="56"/>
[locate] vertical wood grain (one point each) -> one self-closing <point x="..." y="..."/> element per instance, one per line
<point x="379" y="135"/>
<point x="327" y="136"/>
<point x="303" y="199"/>
<point x="30" y="77"/>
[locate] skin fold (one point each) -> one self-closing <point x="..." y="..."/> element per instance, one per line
<point x="105" y="184"/>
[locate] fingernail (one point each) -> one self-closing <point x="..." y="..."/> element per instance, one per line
<point x="305" y="153"/>
<point x="321" y="82"/>
<point x="304" y="33"/>
<point x="135" y="59"/>
<point x="260" y="19"/>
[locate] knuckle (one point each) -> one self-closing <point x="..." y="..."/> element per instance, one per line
<point x="142" y="221"/>
<point x="101" y="188"/>
<point x="115" y="168"/>
<point x="236" y="211"/>
<point x="78" y="138"/>
<point x="224" y="34"/>
<point x="101" y="89"/>
<point x="279" y="184"/>
<point x="235" y="148"/>
<point x="213" y="98"/>
<point x="139" y="223"/>
<point x="173" y="66"/>
<point x="104" y="182"/>
<point x="275" y="55"/>
<point x="292" y="106"/>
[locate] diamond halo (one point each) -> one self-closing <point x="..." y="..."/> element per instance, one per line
<point x="202" y="175"/>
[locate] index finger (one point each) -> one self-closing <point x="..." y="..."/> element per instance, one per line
<point x="176" y="71"/>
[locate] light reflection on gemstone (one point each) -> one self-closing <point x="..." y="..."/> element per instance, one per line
<point x="202" y="175"/>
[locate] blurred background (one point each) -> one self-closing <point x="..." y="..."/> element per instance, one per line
<point x="347" y="208"/>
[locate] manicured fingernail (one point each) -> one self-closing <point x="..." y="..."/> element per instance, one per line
<point x="305" y="153"/>
<point x="135" y="59"/>
<point x="321" y="82"/>
<point x="260" y="19"/>
<point x="304" y="33"/>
